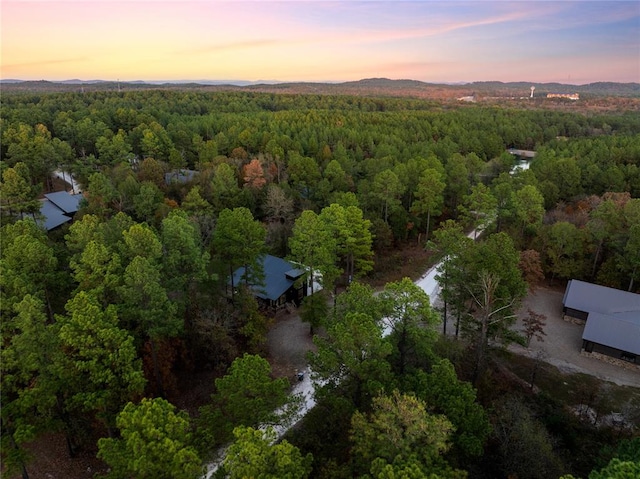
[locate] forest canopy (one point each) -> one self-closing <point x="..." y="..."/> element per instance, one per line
<point x="183" y="188"/>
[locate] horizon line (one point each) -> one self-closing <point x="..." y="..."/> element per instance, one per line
<point x="239" y="82"/>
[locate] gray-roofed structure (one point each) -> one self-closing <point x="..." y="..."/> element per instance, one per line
<point x="618" y="333"/>
<point x="180" y="176"/>
<point x="69" y="204"/>
<point x="58" y="208"/>
<point x="612" y="318"/>
<point x="279" y="285"/>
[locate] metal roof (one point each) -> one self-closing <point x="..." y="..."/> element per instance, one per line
<point x="279" y="276"/>
<point x="53" y="216"/>
<point x="613" y="331"/>
<point x="63" y="200"/>
<point x="589" y="297"/>
<point x="613" y="315"/>
<point x="180" y="176"/>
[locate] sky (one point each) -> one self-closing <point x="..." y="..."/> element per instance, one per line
<point x="574" y="42"/>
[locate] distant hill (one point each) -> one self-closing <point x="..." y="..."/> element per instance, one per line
<point x="364" y="87"/>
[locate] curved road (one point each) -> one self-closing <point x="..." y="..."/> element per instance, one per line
<point x="305" y="388"/>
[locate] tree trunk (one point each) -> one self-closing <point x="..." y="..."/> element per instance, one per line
<point x="481" y="352"/>
<point x="595" y="260"/>
<point x="156" y="368"/>
<point x="14" y="445"/>
<point x="428" y="223"/>
<point x="64" y="416"/>
<point x="49" y="308"/>
<point x="444" y="322"/>
<point x="402" y="346"/>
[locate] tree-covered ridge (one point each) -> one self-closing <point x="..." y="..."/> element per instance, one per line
<point x="138" y="291"/>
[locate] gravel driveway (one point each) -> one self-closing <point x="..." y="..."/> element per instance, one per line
<point x="563" y="342"/>
<point x="288" y="341"/>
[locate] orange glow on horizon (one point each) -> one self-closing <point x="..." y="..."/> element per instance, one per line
<point x="320" y="41"/>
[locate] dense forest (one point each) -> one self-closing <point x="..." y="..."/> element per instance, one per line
<point x="103" y="318"/>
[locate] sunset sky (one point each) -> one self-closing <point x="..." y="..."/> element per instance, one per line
<point x="544" y="41"/>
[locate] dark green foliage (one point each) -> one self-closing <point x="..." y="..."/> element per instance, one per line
<point x="247" y="396"/>
<point x="370" y="172"/>
<point x="352" y="358"/>
<point x="399" y="430"/>
<point x="314" y="310"/>
<point x="526" y="448"/>
<point x="445" y="394"/>
<point x="155" y="443"/>
<point x="239" y="240"/>
<point x="254" y="454"/>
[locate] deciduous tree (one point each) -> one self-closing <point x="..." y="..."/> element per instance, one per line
<point x="534" y="324"/>
<point x="253" y="174"/>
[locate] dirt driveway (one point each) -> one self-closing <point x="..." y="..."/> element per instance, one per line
<point x="562" y="344"/>
<point x="288" y="341"/>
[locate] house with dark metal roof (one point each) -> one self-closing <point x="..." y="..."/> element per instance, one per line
<point x="283" y="282"/>
<point x="181" y="176"/>
<point x="58" y="208"/>
<point x="612" y="319"/>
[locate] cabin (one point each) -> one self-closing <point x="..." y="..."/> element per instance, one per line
<point x="611" y="318"/>
<point x="57" y="209"/>
<point x="180" y="176"/>
<point x="283" y="283"/>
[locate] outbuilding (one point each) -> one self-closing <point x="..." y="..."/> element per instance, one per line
<point x="611" y="317"/>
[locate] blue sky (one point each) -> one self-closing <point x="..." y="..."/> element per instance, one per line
<point x="542" y="41"/>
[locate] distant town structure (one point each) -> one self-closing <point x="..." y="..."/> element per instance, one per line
<point x="470" y="98"/>
<point x="532" y="90"/>
<point x="568" y="96"/>
<point x="522" y="154"/>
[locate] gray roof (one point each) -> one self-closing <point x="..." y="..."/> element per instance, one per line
<point x="69" y="204"/>
<point x="616" y="332"/>
<point x="613" y="315"/>
<point x="53" y="216"/>
<point x="279" y="276"/>
<point x="180" y="176"/>
<point x="589" y="297"/>
<point x="58" y="208"/>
